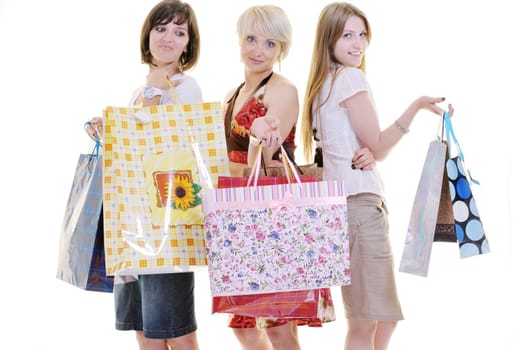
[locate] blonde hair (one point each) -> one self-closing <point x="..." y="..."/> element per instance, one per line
<point x="269" y="20"/>
<point x="330" y="27"/>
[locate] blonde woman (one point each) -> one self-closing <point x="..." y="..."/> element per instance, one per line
<point x="265" y="107"/>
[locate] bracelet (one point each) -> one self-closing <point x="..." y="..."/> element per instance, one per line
<point x="401" y="127"/>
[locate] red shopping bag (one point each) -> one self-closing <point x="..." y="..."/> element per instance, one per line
<point x="232" y="181"/>
<point x="302" y="303"/>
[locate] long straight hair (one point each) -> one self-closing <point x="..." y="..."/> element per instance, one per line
<point x="330" y="27"/>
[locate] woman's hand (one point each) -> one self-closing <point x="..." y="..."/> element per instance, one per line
<point x="430" y="104"/>
<point x="266" y="129"/>
<point x="363" y="159"/>
<point x="95" y="128"/>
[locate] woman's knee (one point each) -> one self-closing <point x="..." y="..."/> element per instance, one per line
<point x="185" y="342"/>
<point x="386" y="326"/>
<point x="150" y="344"/>
<point x="284" y="337"/>
<point x="252" y="338"/>
<point x="362" y="328"/>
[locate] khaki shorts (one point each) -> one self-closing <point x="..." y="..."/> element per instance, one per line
<point x="372" y="294"/>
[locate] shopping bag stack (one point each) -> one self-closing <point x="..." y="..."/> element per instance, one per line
<point x="444" y="208"/>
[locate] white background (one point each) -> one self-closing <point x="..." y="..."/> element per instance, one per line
<point x="62" y="62"/>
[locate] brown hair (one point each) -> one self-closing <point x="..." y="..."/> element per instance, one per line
<point x="179" y="12"/>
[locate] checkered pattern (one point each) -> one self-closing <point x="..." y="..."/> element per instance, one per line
<point x="133" y="241"/>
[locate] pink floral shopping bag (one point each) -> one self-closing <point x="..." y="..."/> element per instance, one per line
<point x="273" y="238"/>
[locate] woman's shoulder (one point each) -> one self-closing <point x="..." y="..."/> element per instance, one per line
<point x="351" y="72"/>
<point x="230" y="93"/>
<point x="351" y="77"/>
<point x="188" y="80"/>
<point x="188" y="88"/>
<point x="280" y="85"/>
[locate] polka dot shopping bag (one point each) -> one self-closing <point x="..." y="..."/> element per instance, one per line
<point x="470" y="233"/>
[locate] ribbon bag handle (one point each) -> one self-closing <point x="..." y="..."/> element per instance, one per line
<point x="290" y="172"/>
<point x="97" y="138"/>
<point x="451" y="136"/>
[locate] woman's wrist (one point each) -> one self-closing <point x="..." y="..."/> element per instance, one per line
<point x="403" y="129"/>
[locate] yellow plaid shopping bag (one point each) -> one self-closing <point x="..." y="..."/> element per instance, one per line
<point x="158" y="162"/>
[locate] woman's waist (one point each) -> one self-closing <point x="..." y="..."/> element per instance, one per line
<point x="356" y="181"/>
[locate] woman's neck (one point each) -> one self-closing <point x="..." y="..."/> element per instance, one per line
<point x="253" y="79"/>
<point x="170" y="68"/>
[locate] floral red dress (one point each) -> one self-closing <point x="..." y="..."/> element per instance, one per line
<point x="238" y="127"/>
<point x="237" y="141"/>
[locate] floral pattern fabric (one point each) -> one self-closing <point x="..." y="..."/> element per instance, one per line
<point x="287" y="243"/>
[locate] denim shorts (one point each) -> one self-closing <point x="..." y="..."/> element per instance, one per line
<point x="160" y="305"/>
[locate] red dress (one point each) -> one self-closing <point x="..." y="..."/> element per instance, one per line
<point x="237" y="141"/>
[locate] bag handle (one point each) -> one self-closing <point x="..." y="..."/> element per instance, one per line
<point x="451" y="136"/>
<point x="97" y="138"/>
<point x="256" y="167"/>
<point x="178" y="104"/>
<point x="193" y="142"/>
<point x="287" y="161"/>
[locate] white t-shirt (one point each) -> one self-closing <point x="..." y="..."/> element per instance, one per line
<point x="338" y="138"/>
<point x="187" y="91"/>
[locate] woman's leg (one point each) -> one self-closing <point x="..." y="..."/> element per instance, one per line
<point x="185" y="342"/>
<point x="384" y="331"/>
<point x="284" y="337"/>
<point x="252" y="339"/>
<point x="369" y="335"/>
<point x="150" y="344"/>
<point x="360" y="335"/>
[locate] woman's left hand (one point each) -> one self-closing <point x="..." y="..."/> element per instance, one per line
<point x="363" y="159"/>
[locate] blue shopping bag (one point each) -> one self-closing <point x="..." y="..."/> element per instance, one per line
<point x="81" y="260"/>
